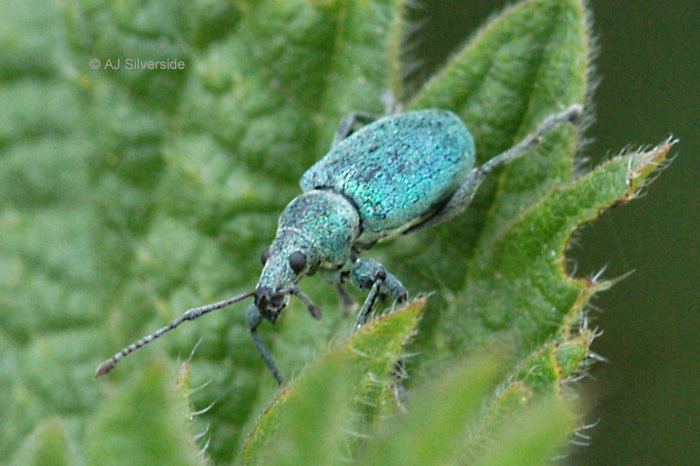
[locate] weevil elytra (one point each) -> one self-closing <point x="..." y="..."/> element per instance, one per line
<point x="397" y="174"/>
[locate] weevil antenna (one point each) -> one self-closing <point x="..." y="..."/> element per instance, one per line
<point x="191" y="314"/>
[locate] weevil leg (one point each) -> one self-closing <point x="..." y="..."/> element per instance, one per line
<point x="368" y="273"/>
<point x="464" y="194"/>
<point x="398" y="375"/>
<point x="348" y="305"/>
<point x="369" y="303"/>
<point x="458" y="202"/>
<point x="391" y="105"/>
<point x="349" y="123"/>
<point x="254" y="319"/>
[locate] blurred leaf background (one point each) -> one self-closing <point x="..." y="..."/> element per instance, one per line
<point x="176" y="221"/>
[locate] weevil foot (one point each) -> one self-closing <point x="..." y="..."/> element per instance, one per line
<point x="369" y="273"/>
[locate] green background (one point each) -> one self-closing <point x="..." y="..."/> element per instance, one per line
<point x="648" y="66"/>
<point x="643" y="397"/>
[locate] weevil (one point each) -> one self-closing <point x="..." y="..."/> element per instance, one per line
<point x="394" y="175"/>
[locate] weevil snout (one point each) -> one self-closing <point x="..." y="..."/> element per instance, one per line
<point x="270" y="302"/>
<point x="272" y="292"/>
<point x="263" y="296"/>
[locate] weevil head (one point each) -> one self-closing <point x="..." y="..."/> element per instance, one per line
<point x="315" y="230"/>
<point x="289" y="258"/>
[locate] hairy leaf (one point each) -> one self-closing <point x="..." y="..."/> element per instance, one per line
<point x="440" y="430"/>
<point x="130" y="195"/>
<point x="348" y="385"/>
<point x="49" y="444"/>
<point x="443" y="411"/>
<point x="146" y="423"/>
<point x="531" y="438"/>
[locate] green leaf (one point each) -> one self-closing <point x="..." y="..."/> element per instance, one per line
<point x="48" y="445"/>
<point x="532" y="438"/>
<point x="275" y="91"/>
<point x="130" y="196"/>
<point x="323" y="389"/>
<point x="518" y="286"/>
<point x="145" y="422"/>
<point x="442" y="424"/>
<point x="430" y="433"/>
<point x="354" y="374"/>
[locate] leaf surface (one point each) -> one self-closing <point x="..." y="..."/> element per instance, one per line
<point x="348" y="385"/>
<point x="128" y="197"/>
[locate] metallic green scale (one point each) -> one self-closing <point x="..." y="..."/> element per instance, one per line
<point x="398" y="170"/>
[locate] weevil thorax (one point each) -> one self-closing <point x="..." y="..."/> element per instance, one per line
<point x="316" y="230"/>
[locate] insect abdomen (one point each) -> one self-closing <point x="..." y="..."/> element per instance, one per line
<point x="397" y="169"/>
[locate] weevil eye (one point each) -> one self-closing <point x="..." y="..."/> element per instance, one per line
<point x="265" y="255"/>
<point x="297" y="261"/>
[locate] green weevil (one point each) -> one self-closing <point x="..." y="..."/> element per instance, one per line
<point x="395" y="175"/>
